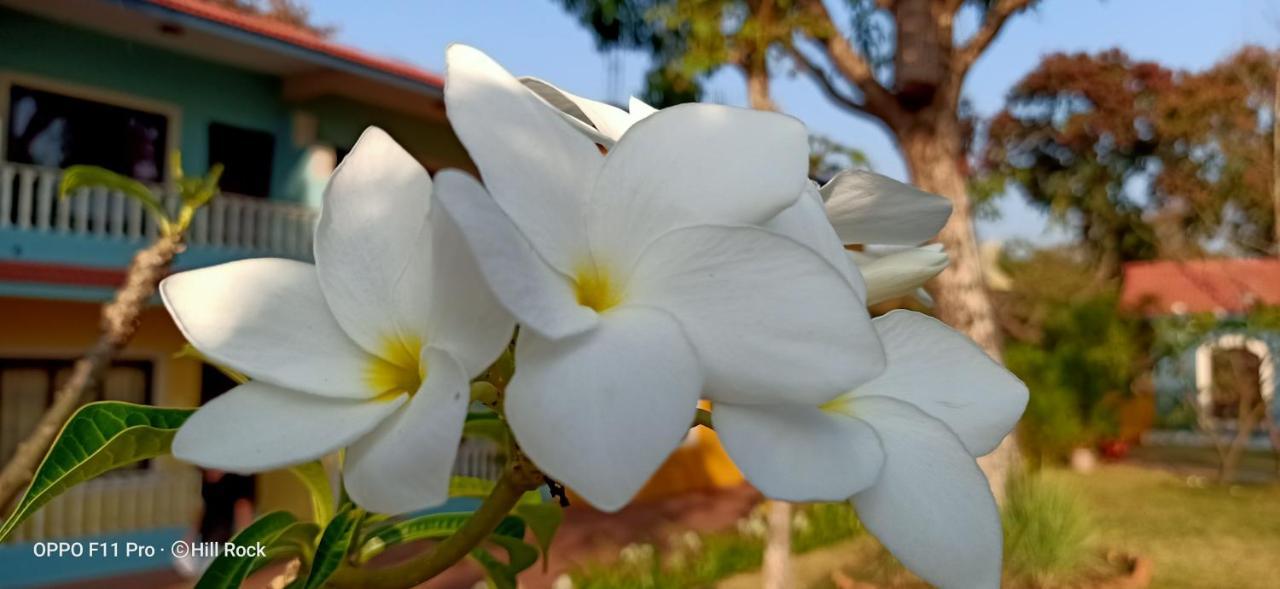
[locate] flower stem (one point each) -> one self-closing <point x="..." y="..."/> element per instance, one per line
<point x="519" y="478"/>
<point x="703" y="418"/>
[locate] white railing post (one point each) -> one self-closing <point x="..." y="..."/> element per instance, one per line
<point x="30" y="201"/>
<point x="101" y="196"/>
<point x="46" y="192"/>
<point x="6" y="195"/>
<point x="26" y="196"/>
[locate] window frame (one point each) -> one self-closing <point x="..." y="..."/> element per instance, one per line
<point x="52" y="364"/>
<point x="9" y="78"/>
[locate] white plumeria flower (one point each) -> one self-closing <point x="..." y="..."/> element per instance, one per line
<point x="371" y="349"/>
<point x="899" y="272"/>
<point x="864" y="208"/>
<point x="639" y="277"/>
<point x="902" y="447"/>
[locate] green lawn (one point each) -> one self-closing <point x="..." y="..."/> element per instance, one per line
<point x="1197" y="534"/>
<point x="1200" y="536"/>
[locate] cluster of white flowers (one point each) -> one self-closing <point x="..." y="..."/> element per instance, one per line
<point x="651" y="258"/>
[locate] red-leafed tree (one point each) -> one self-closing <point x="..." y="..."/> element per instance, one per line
<point x="1139" y="160"/>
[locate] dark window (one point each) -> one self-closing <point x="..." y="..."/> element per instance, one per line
<point x="246" y="155"/>
<point x="27" y="387"/>
<point x="54" y="130"/>
<point x="1237" y="383"/>
<point x="213" y="383"/>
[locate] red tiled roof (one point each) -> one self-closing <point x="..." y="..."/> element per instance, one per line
<point x="1220" y="285"/>
<point x="279" y="31"/>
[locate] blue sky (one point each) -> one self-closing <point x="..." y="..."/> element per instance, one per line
<point x="536" y="37"/>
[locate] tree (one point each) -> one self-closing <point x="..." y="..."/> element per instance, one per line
<point x="1140" y="160"/>
<point x="294" y="13"/>
<point x="898" y="62"/>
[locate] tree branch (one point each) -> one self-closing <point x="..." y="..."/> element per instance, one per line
<point x="992" y="23"/>
<point x="877" y="101"/>
<point x="520" y="477"/>
<point x="119" y="322"/>
<point x="819" y="76"/>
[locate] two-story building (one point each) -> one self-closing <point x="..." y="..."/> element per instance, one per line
<point x="119" y="84"/>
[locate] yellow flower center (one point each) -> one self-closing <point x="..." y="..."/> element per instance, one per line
<point x="398" y="368"/>
<point x="596" y="288"/>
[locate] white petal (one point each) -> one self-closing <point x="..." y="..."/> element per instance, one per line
<point x="639" y="109"/>
<point x="771" y="320"/>
<point x="405" y="464"/>
<point x="799" y="453"/>
<point x="932" y="507"/>
<point x="603" y="123"/>
<point x="256" y="427"/>
<point x="267" y="318"/>
<point x="541" y="298"/>
<point x="602" y="410"/>
<point x="866" y="207"/>
<point x="691" y="164"/>
<point x="375" y="207"/>
<point x="899" y="273"/>
<point x="949" y="377"/>
<point x="465" y="317"/>
<point x="806" y="222"/>
<point x="537" y="168"/>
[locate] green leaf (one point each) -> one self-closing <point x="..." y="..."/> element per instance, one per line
<point x="486" y="426"/>
<point x="500" y="577"/>
<point x="228" y="571"/>
<point x="99" y="437"/>
<point x="520" y="556"/>
<point x="316" y="480"/>
<point x="334" y="544"/>
<point x="427" y="527"/>
<point x="480" y="488"/>
<point x="544" y="520"/>
<point x="299" y="539"/>
<point x="77" y="177"/>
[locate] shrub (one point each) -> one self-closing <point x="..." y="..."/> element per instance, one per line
<point x="1047" y="532"/>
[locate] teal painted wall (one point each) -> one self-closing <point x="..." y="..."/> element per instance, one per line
<point x="204" y="92"/>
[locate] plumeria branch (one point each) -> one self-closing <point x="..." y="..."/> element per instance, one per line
<point x="703" y="418"/>
<point x="520" y="477"/>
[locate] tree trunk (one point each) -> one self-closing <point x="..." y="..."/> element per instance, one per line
<point x="932" y="148"/>
<point x="119" y="322"/>
<point x="776" y="569"/>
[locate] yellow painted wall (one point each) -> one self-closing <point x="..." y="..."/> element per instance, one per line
<point x="38" y="328"/>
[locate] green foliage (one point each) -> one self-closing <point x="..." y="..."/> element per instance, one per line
<point x="692" y="559"/>
<point x="1047" y="532"/>
<point x="313" y="476"/>
<point x="334" y="544"/>
<point x="228" y="571"/>
<point x="77" y="177"/>
<point x="194" y="192"/>
<point x="99" y="437"/>
<point x="426" y="527"/>
<point x="544" y="520"/>
<point x="502" y="575"/>
<point x="1078" y="354"/>
<point x="828" y="157"/>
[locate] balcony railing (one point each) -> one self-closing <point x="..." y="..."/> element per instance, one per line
<point x="242" y="225"/>
<point x="147" y="499"/>
<point x="119" y="502"/>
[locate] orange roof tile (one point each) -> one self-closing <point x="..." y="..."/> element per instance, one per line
<point x="1226" y="285"/>
<point x="304" y="39"/>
